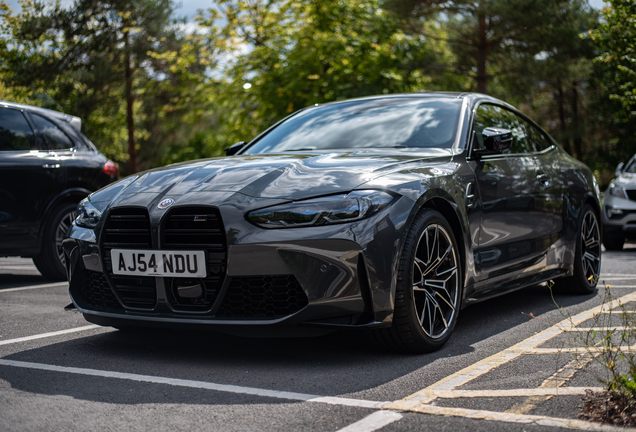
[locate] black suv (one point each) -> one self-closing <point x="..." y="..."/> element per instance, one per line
<point x="46" y="167"/>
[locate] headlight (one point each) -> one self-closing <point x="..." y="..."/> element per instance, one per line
<point x="617" y="191"/>
<point x="328" y="210"/>
<point x="87" y="215"/>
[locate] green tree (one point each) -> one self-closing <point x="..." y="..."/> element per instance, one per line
<point x="490" y="38"/>
<point x="615" y="74"/>
<point x="89" y="56"/>
<point x="291" y="54"/>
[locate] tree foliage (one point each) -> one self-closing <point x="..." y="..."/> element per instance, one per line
<point x="615" y="74"/>
<point x="151" y="86"/>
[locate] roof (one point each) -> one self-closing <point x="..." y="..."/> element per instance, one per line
<point x="74" y="121"/>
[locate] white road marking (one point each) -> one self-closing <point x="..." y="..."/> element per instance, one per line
<point x="541" y="391"/>
<point x="51" y="334"/>
<point x="518" y="418"/>
<point x="581" y="350"/>
<point x="373" y="422"/>
<point x="31" y="287"/>
<point x="359" y="403"/>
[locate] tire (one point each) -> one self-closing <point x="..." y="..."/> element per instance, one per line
<point x="587" y="257"/>
<point x="429" y="288"/>
<point x="613" y="242"/>
<point x="51" y="261"/>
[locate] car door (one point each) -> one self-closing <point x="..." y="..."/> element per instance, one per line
<point x="30" y="176"/>
<point x="515" y="223"/>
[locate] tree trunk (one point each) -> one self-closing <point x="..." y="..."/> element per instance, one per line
<point x="130" y="99"/>
<point x="565" y="139"/>
<point x="577" y="136"/>
<point x="482" y="54"/>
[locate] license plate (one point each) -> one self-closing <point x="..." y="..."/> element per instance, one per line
<point x="133" y="262"/>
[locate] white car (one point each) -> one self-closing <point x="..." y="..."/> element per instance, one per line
<point x="619" y="207"/>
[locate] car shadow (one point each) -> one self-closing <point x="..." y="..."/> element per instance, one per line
<point x="333" y="365"/>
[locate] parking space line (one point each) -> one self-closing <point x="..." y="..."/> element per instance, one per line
<point x="576" y="350"/>
<point x="521" y="392"/>
<point x="553" y="383"/>
<point x="373" y="422"/>
<point x="518" y="418"/>
<point x="486" y="365"/>
<point x="32" y="287"/>
<point x="331" y="400"/>
<point x="51" y="334"/>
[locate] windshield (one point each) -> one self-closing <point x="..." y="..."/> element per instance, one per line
<point x="390" y="122"/>
<point x="631" y="168"/>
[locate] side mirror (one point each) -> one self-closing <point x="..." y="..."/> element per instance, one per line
<point x="496" y="141"/>
<point x="234" y="148"/>
<point x="619" y="169"/>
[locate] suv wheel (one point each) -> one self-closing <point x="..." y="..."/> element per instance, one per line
<point x="51" y="261"/>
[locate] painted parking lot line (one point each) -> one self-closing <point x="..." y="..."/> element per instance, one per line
<point x="517" y="418"/>
<point x="331" y="400"/>
<point x="373" y="422"/>
<point x="449" y="387"/>
<point x="50" y="334"/>
<point x="32" y="287"/>
<point x="420" y="402"/>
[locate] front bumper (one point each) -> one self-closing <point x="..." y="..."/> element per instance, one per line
<point x="331" y="276"/>
<point x="619" y="216"/>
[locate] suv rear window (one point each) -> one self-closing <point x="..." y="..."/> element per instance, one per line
<point x="15" y="132"/>
<point x="55" y="138"/>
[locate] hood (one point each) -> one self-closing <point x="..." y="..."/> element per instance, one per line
<point x="282" y="176"/>
<point x="626" y="180"/>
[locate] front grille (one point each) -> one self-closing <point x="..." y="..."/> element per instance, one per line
<point x="631" y="193"/>
<point x="95" y="290"/>
<point x="129" y="228"/>
<point x="261" y="297"/>
<point x="196" y="228"/>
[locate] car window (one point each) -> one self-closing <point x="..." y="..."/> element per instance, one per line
<point x="537" y="139"/>
<point x="15" y="132"/>
<point x="371" y="123"/>
<point x="631" y="167"/>
<point x="488" y="115"/>
<point x="55" y="138"/>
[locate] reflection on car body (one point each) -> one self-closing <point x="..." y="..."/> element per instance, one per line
<point x="387" y="213"/>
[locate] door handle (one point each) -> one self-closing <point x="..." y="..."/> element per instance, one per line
<point x="543" y="178"/>
<point x="470" y="195"/>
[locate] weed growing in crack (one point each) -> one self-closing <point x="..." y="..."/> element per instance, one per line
<point x="608" y="340"/>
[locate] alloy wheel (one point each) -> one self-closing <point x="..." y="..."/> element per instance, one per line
<point x="435" y="281"/>
<point x="60" y="232"/>
<point x="591" y="247"/>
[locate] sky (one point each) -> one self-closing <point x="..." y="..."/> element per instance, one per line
<point x="189" y="7"/>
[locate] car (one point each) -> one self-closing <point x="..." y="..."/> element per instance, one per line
<point x="387" y="214"/>
<point x="619" y="207"/>
<point x="46" y="167"/>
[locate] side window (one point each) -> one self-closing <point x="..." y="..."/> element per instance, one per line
<point x="15" y="132"/>
<point x="53" y="135"/>
<point x="538" y="140"/>
<point x="494" y="116"/>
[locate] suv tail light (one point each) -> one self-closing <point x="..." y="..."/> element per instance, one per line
<point x="110" y="168"/>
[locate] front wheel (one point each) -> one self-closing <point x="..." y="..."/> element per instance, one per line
<point x="51" y="261"/>
<point x="587" y="257"/>
<point x="429" y="287"/>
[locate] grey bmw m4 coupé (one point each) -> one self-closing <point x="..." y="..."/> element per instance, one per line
<point x="387" y="213"/>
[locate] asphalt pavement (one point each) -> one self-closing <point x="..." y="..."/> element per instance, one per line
<point x="509" y="366"/>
